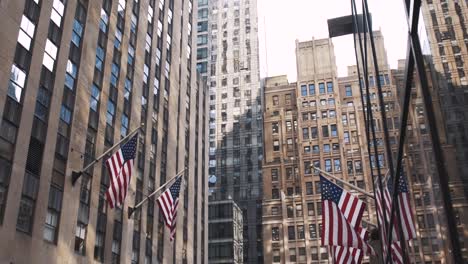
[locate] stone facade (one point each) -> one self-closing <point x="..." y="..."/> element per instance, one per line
<point x="78" y="76"/>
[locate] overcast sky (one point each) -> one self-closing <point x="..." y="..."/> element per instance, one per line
<point x="282" y="22"/>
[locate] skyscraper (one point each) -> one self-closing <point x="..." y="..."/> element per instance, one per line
<point x="78" y="76"/>
<point x="228" y="60"/>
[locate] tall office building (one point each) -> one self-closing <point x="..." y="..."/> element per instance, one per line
<point x="78" y="76"/>
<point x="228" y="60"/>
<point x="446" y="43"/>
<point x="319" y="120"/>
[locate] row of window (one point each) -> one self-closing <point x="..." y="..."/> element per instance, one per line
<point x="297" y="233"/>
<point x="311" y="90"/>
<point x="315" y="251"/>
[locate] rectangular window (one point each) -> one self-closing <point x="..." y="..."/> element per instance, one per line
<point x="314" y="132"/>
<point x="329" y="87"/>
<point x="309" y="188"/>
<point x="326" y="148"/>
<point x="292" y="254"/>
<point x="303" y="90"/>
<point x="311" y="89"/>
<point x="274" y="128"/>
<point x="328" y="165"/>
<point x="300" y="232"/>
<point x="275" y="100"/>
<point x="305" y="133"/>
<point x="344" y="119"/>
<point x="275" y="235"/>
<point x="291" y="233"/>
<point x="325" y="131"/>
<point x="276" y="145"/>
<point x="322" y="88"/>
<point x="337" y="164"/>
<point x="307" y="149"/>
<point x="312" y="231"/>
<point x="274" y="175"/>
<point x="307" y="169"/>
<point x="358" y="166"/>
<point x="334" y="131"/>
<point x="346" y="136"/>
<point x="53" y="214"/>
<point x="315" y="149"/>
<point x="348" y="90"/>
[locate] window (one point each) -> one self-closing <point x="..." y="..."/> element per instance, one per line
<point x="352" y="118"/>
<point x="309" y="188"/>
<point x="310" y="209"/>
<point x="311" y="89"/>
<point x="298" y="207"/>
<point x="307" y="150"/>
<point x="334" y="131"/>
<point x="304" y="90"/>
<point x="290" y="208"/>
<point x="202" y="39"/>
<point x="325" y="131"/>
<point x="276" y="255"/>
<point x="348" y="90"/>
<point x="291" y="234"/>
<point x="329" y="87"/>
<point x="26" y="32"/>
<point x="307" y="169"/>
<point x="275" y="235"/>
<point x="358" y="166"/>
<point x="314" y="253"/>
<point x="275" y="100"/>
<point x="349" y="165"/>
<point x="292" y="254"/>
<point x="321" y="88"/>
<point x="313" y="116"/>
<point x="331" y="101"/>
<point x="305" y="133"/>
<point x="323" y="102"/>
<point x="95" y="92"/>
<point x="53" y="213"/>
<point x="328" y="166"/>
<point x="305" y="116"/>
<point x="344" y="119"/>
<point x="300" y="232"/>
<point x="274" y="210"/>
<point x="275" y="194"/>
<point x="287" y="99"/>
<point x="274" y="174"/>
<point x="337" y="164"/>
<point x="346" y="136"/>
<point x="326" y="148"/>
<point x="80" y="236"/>
<point x="336" y="147"/>
<point x="312" y="231"/>
<point x="315" y="149"/>
<point x="17" y="83"/>
<point x="314" y="132"/>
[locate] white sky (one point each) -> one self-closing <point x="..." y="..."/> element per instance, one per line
<point x="282" y="22"/>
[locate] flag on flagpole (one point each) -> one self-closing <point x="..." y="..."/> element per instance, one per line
<point x="168" y="202"/>
<point x="409" y="230"/>
<point x="120" y="167"/>
<point x="353" y="209"/>
<point x="344" y="255"/>
<point x="337" y="230"/>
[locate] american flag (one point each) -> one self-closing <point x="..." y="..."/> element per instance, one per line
<point x="120" y="166"/>
<point x="409" y="230"/>
<point x="337" y="207"/>
<point x="344" y="255"/>
<point x="168" y="202"/>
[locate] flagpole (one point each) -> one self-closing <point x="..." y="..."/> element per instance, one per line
<point x="345" y="183"/>
<point x="133" y="209"/>
<point x="76" y="174"/>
